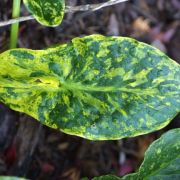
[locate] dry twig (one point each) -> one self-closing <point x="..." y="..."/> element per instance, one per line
<point x="69" y="9"/>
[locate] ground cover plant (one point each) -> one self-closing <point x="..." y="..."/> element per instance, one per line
<point x="99" y="88"/>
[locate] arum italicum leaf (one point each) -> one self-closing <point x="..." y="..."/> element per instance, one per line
<point x="11" y="178"/>
<point x="107" y="177"/>
<point x="161" y="161"/>
<point x="95" y="87"/>
<point x="47" y="12"/>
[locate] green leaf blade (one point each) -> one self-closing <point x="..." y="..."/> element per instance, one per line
<point x="95" y="87"/>
<point x="46" y="12"/>
<point x="11" y="178"/>
<point x="162" y="159"/>
<point x="107" y="177"/>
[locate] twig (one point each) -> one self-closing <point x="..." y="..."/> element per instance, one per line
<point x="92" y="7"/>
<point x="12" y="21"/>
<point x="69" y="9"/>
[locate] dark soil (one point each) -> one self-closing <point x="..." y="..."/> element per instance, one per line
<point x="34" y="151"/>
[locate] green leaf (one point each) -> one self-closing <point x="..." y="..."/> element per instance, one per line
<point x="107" y="177"/>
<point x="10" y="178"/>
<point x="47" y="12"/>
<point x="161" y="162"/>
<point x="95" y="87"/>
<point x="162" y="159"/>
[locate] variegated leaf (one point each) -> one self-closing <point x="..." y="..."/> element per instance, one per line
<point x="107" y="177"/>
<point x="162" y="159"/>
<point x="11" y="178"/>
<point x="46" y="12"/>
<point x="95" y="87"/>
<point x="161" y="162"/>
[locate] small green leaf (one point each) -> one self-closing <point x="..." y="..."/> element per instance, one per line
<point x="95" y="87"/>
<point x="162" y="159"/>
<point x="47" y="12"/>
<point x="10" y="178"/>
<point x="107" y="177"/>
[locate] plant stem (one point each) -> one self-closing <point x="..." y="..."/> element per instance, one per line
<point x="15" y="27"/>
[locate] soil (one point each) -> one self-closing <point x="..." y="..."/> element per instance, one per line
<point x="29" y="149"/>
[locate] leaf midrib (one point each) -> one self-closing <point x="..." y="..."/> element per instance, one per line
<point x="80" y="87"/>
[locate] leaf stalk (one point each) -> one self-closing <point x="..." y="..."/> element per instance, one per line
<point x="15" y="27"/>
